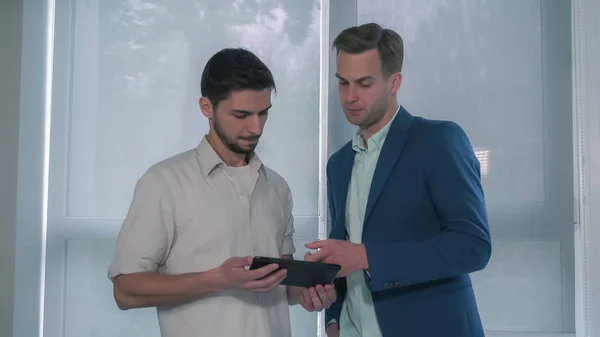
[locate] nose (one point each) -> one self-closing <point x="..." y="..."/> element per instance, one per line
<point x="254" y="125"/>
<point x="351" y="97"/>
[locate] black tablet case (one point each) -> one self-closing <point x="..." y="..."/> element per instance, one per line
<point x="301" y="273"/>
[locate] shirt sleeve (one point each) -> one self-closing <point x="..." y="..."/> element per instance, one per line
<point x="288" y="236"/>
<point x="147" y="233"/>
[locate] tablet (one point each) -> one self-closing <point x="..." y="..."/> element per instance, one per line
<point x="300" y="273"/>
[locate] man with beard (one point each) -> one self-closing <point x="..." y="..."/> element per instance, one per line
<point x="409" y="221"/>
<point x="197" y="219"/>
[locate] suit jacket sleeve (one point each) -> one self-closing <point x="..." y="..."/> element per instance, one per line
<point x="463" y="244"/>
<point x="334" y="311"/>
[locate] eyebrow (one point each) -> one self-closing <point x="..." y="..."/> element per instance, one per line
<point x="246" y="112"/>
<point x="365" y="78"/>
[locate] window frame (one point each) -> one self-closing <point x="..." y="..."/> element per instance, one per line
<point x="33" y="238"/>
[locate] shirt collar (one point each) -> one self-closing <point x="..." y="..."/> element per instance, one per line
<point x="375" y="141"/>
<point x="209" y="159"/>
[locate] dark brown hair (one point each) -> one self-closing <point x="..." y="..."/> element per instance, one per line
<point x="369" y="36"/>
<point x="233" y="69"/>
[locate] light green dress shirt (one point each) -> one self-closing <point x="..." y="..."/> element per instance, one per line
<point x="358" y="316"/>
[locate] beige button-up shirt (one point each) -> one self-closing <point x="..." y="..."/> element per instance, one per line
<point x="190" y="213"/>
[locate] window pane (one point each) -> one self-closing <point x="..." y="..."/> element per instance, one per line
<point x="90" y="304"/>
<point x="502" y="69"/>
<point x="136" y="84"/>
<point x="125" y="97"/>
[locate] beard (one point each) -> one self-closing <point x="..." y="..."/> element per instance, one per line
<point x="232" y="144"/>
<point x="375" y="113"/>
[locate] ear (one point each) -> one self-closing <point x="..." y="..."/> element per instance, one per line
<point x="396" y="82"/>
<point x="206" y="107"/>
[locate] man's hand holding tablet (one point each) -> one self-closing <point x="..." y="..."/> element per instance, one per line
<point x="309" y="283"/>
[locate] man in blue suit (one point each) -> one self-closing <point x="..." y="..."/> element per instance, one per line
<point x="409" y="221"/>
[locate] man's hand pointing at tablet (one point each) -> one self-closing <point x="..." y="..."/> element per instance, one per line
<point x="350" y="256"/>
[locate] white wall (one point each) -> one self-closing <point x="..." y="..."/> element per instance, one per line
<point x="11" y="18"/>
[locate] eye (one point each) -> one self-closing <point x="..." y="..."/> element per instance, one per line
<point x="343" y="83"/>
<point x="365" y="85"/>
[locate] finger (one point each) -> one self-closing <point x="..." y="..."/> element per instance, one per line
<point x="323" y="296"/>
<point x="266" y="282"/>
<point x="260" y="272"/>
<point x="307" y="301"/>
<point x="331" y="294"/>
<point x="269" y="287"/>
<point x="318" y="256"/>
<point x="240" y="261"/>
<point x="279" y="280"/>
<point x="316" y="301"/>
<point x="316" y="244"/>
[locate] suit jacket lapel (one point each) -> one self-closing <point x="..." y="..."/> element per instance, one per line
<point x="392" y="148"/>
<point x="345" y="173"/>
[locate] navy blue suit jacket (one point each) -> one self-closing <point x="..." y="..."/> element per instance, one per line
<point x="425" y="229"/>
